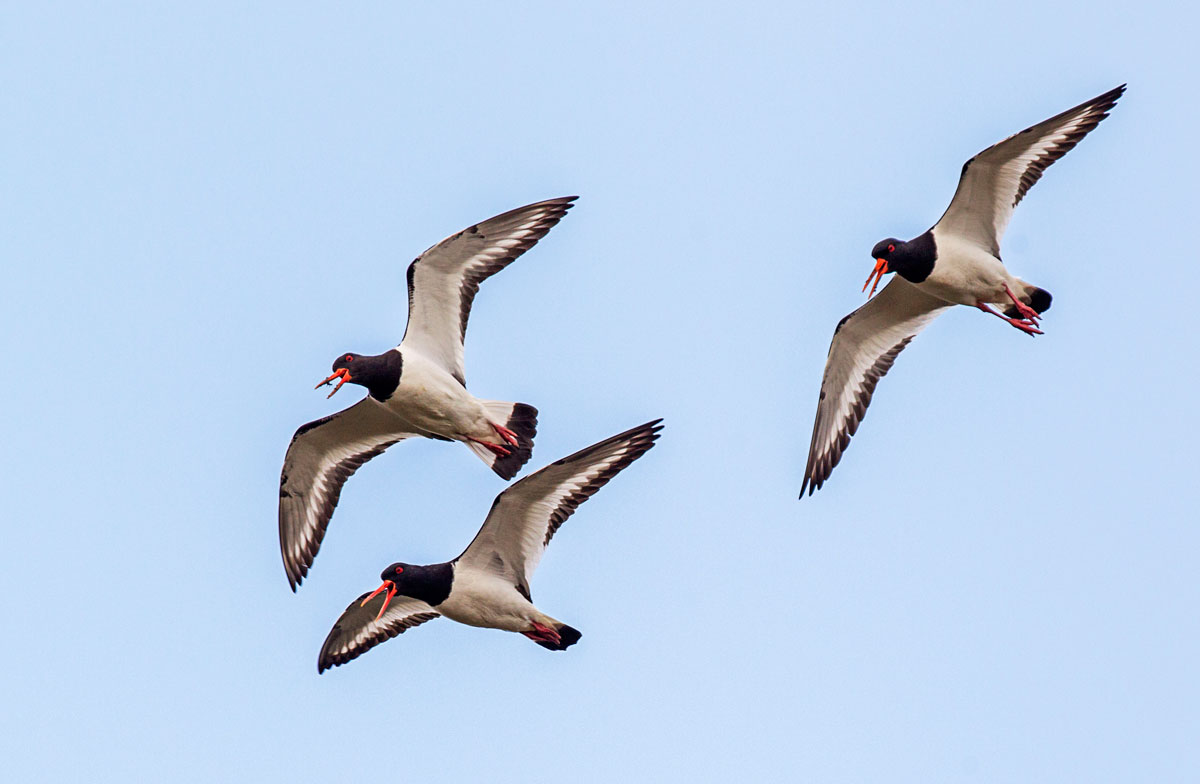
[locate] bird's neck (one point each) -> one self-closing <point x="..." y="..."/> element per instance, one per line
<point x="430" y="584"/>
<point x="914" y="259"/>
<point x="379" y="374"/>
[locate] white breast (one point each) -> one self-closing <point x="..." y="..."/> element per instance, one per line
<point x="432" y="399"/>
<point x="965" y="273"/>
<point x="482" y="599"/>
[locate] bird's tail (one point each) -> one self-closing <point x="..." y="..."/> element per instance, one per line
<point x="1034" y="297"/>
<point x="567" y="636"/>
<point x="521" y="420"/>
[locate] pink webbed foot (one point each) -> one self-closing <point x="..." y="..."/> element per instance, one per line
<point x="1028" y="313"/>
<point x="541" y="633"/>
<point x="506" y="434"/>
<point x="1027" y="325"/>
<point x="498" y="449"/>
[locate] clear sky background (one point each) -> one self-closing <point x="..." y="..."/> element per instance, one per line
<point x="204" y="205"/>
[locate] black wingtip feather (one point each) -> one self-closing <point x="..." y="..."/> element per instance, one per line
<point x="335" y="652"/>
<point x="820" y="466"/>
<point x="1092" y="112"/>
<point x="637" y="440"/>
<point x="297" y="569"/>
<point x="555" y="209"/>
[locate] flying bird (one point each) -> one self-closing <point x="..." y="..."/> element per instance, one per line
<point x="488" y="585"/>
<point x="417" y="388"/>
<point x="957" y="262"/>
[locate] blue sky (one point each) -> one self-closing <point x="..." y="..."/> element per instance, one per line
<point x="204" y="205"/>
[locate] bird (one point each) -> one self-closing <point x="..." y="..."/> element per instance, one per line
<point x="957" y="262"/>
<point x="417" y="388"/>
<point x="488" y="584"/>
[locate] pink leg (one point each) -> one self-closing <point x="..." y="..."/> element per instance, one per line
<point x="506" y="434"/>
<point x="541" y="633"/>
<point x="1028" y="326"/>
<point x="498" y="449"/>
<point x="1029" y="313"/>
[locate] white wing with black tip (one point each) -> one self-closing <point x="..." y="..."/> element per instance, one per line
<point x="357" y="631"/>
<point x="322" y="456"/>
<point x="865" y="344"/>
<point x="994" y="181"/>
<point x="443" y="280"/>
<point x="525" y="516"/>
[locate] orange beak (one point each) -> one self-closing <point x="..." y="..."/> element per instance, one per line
<point x="340" y="373"/>
<point x="388" y="586"/>
<point x="877" y="274"/>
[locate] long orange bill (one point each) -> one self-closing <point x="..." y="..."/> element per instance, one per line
<point x="388" y="586"/>
<point x="340" y="373"/>
<point x="881" y="269"/>
<point x="391" y="594"/>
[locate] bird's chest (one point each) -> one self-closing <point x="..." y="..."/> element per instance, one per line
<point x="431" y="398"/>
<point x="486" y="601"/>
<point x="964" y="274"/>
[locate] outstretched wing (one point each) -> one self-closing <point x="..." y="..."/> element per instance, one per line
<point x="994" y="181"/>
<point x="525" y="516"/>
<point x="357" y="631"/>
<point x="322" y="456"/>
<point x="443" y="280"/>
<point x="865" y="344"/>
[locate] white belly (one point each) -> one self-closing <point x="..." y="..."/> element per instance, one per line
<point x="966" y="274"/>
<point x="480" y="599"/>
<point x="433" y="400"/>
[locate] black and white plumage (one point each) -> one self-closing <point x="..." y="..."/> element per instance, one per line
<point x="361" y="627"/>
<point x="957" y="262"/>
<point x="443" y="281"/>
<point x="417" y="388"/>
<point x="488" y="584"/>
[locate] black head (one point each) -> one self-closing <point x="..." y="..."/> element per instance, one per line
<point x="885" y="248"/>
<point x="379" y="374"/>
<point x="883" y="252"/>
<point x="430" y="584"/>
<point x="912" y="260"/>
<point x="396" y="574"/>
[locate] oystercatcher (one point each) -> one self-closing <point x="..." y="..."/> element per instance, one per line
<point x="957" y="262"/>
<point x="488" y="585"/>
<point x="417" y="388"/>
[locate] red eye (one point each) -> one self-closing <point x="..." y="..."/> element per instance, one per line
<point x="891" y="249"/>
<point x="399" y="569"/>
<point x="349" y="358"/>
